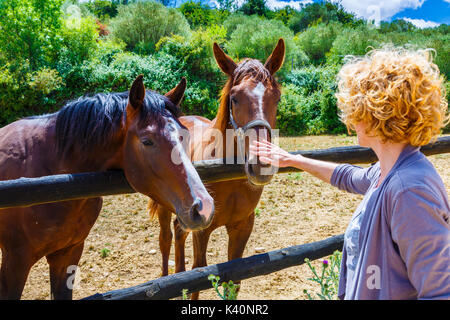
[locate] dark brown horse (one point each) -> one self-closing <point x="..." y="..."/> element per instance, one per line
<point x="135" y="132"/>
<point x="249" y="100"/>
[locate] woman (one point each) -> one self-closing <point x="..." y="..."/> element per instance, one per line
<point x="397" y="245"/>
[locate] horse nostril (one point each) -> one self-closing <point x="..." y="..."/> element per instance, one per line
<point x="194" y="213"/>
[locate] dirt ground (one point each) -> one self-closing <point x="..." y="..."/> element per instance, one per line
<point x="296" y="208"/>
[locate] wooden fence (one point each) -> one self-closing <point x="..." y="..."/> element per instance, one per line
<point x="33" y="191"/>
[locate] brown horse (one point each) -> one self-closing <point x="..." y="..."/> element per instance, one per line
<point x="135" y="132"/>
<point x="249" y="100"/>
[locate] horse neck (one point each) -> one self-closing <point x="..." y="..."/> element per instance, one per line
<point x="221" y="121"/>
<point x="108" y="156"/>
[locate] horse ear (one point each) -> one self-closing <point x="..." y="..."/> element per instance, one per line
<point x="137" y="92"/>
<point x="176" y="94"/>
<point x="276" y="59"/>
<point x="225" y="63"/>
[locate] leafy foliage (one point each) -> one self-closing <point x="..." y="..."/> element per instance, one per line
<point x="140" y="25"/>
<point x="327" y="278"/>
<point x="55" y="50"/>
<point x="317" y="41"/>
<point x="256" y="37"/>
<point x="229" y="289"/>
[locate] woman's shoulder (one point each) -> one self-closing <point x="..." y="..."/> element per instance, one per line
<point x="419" y="176"/>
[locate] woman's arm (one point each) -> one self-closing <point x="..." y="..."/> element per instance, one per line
<point x="346" y="177"/>
<point x="274" y="155"/>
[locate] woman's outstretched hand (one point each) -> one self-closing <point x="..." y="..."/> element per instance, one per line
<point x="269" y="153"/>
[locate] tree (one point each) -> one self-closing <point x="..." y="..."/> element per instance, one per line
<point x="251" y="7"/>
<point x="196" y="14"/>
<point x="323" y="12"/>
<point x="140" y="25"/>
<point x="317" y="41"/>
<point x="29" y="31"/>
<point x="226" y="5"/>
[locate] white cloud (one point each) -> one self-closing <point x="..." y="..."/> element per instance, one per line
<point x="420" y="23"/>
<point x="380" y="9"/>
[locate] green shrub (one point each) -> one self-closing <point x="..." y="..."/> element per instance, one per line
<point x="79" y="39"/>
<point x="199" y="15"/>
<point x="308" y="104"/>
<point x="327" y="278"/>
<point x="356" y="42"/>
<point x="203" y="75"/>
<point x="19" y="98"/>
<point x="45" y="81"/>
<point x="29" y="32"/>
<point x="258" y="7"/>
<point x="317" y="41"/>
<point x="256" y="38"/>
<point x="140" y="25"/>
<point x="322" y="12"/>
<point x="441" y="43"/>
<point x="102" y="9"/>
<point x="236" y="19"/>
<point x="291" y="120"/>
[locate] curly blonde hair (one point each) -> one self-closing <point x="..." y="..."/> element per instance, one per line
<point x="399" y="93"/>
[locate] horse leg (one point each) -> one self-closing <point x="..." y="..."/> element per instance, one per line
<point x="165" y="237"/>
<point x="14" y="273"/>
<point x="63" y="264"/>
<point x="200" y="239"/>
<point x="180" y="240"/>
<point x="238" y="235"/>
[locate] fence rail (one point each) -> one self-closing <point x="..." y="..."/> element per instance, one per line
<point x="32" y="191"/>
<point x="235" y="270"/>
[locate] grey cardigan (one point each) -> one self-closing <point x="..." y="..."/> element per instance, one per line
<point x="404" y="238"/>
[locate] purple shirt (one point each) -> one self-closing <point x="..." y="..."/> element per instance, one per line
<point x="397" y="245"/>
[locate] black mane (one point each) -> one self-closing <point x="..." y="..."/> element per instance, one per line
<point x="91" y="121"/>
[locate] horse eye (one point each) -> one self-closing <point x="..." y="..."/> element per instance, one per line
<point x="233" y="100"/>
<point x="147" y="142"/>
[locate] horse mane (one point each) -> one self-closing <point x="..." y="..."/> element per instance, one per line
<point x="92" y="121"/>
<point x="247" y="68"/>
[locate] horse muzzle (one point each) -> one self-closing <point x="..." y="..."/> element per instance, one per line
<point x="258" y="173"/>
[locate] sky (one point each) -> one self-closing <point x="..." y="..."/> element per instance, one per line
<point x="421" y="13"/>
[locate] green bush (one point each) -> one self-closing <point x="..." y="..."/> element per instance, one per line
<point x="203" y="75"/>
<point x="441" y="43"/>
<point x="79" y="39"/>
<point x="357" y="41"/>
<point x="35" y="94"/>
<point x="256" y="38"/>
<point x="29" y="32"/>
<point x="199" y="15"/>
<point x="308" y="104"/>
<point x="258" y="7"/>
<point x="236" y="19"/>
<point x="317" y="41"/>
<point x="322" y="12"/>
<point x="140" y="25"/>
<point x="40" y="47"/>
<point x="102" y="9"/>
